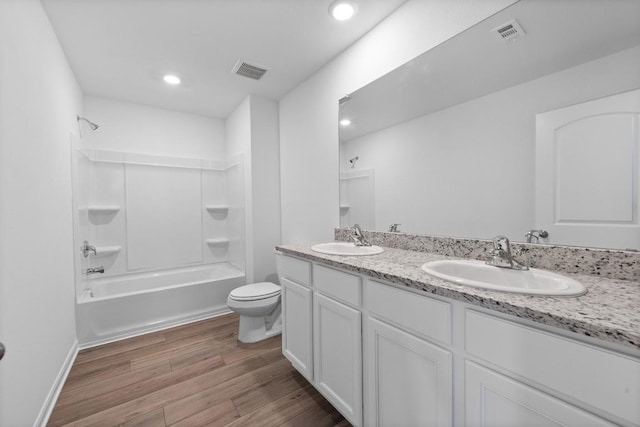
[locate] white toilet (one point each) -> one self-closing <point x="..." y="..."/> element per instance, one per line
<point x="260" y="310"/>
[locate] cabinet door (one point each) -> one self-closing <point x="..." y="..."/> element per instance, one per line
<point x="338" y="356"/>
<point x="494" y="400"/>
<point x="297" y="326"/>
<point x="410" y="380"/>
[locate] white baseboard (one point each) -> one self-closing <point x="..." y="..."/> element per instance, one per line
<point x="56" y="388"/>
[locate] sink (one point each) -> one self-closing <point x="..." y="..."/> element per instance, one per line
<point x="480" y="275"/>
<point x="346" y="248"/>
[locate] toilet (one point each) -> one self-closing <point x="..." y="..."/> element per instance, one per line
<point x="260" y="310"/>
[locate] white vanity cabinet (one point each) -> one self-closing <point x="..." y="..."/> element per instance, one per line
<point x="518" y="372"/>
<point x="408" y="379"/>
<point x="337" y="339"/>
<point x="385" y="355"/>
<point x="322" y="330"/>
<point x="297" y="317"/>
<point x="493" y="399"/>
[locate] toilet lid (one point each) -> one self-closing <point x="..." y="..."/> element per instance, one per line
<point x="255" y="291"/>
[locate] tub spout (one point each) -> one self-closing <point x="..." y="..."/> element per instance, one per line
<point x="95" y="270"/>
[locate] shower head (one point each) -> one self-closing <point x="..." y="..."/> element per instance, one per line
<point x="92" y="125"/>
<point x="353" y="161"/>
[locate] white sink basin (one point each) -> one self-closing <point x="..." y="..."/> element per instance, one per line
<point x="346" y="248"/>
<point x="480" y="275"/>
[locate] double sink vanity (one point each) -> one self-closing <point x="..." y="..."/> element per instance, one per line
<point x="397" y="337"/>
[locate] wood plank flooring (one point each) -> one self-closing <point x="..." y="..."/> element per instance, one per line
<point x="191" y="375"/>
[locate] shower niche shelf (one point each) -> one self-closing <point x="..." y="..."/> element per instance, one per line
<point x="104" y="251"/>
<point x="344" y="206"/>
<point x="221" y="241"/>
<point x="217" y="208"/>
<point x="103" y="209"/>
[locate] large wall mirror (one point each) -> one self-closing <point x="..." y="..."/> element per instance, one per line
<point x="529" y="120"/>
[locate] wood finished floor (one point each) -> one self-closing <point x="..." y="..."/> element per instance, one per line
<point x="191" y="375"/>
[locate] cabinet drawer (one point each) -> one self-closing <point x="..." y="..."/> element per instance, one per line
<point x="342" y="286"/>
<point x="601" y="378"/>
<point x="418" y="314"/>
<point x="294" y="269"/>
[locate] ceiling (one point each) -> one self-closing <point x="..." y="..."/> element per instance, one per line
<point x="120" y="49"/>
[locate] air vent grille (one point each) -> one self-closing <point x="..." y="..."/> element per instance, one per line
<point x="509" y="31"/>
<point x="252" y="71"/>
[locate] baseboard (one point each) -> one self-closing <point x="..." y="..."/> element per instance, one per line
<point x="56" y="388"/>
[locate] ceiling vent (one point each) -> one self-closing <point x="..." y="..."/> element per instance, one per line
<point x="246" y="69"/>
<point x="509" y="31"/>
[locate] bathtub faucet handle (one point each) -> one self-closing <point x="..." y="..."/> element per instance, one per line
<point x="86" y="248"/>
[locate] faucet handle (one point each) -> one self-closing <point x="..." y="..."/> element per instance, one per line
<point x="536" y="234"/>
<point x="501" y="243"/>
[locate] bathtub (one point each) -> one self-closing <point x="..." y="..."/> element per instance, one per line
<point x="114" y="308"/>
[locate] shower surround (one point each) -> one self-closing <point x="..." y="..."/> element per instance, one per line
<point x="168" y="232"/>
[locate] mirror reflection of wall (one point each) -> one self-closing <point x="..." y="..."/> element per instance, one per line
<point x="468" y="169"/>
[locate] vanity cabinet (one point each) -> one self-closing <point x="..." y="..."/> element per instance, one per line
<point x="337" y="339"/>
<point x="514" y="370"/>
<point x="409" y="378"/>
<point x="493" y="399"/>
<point x="297" y="318"/>
<point x="385" y="355"/>
<point x="322" y="330"/>
<point x="337" y="334"/>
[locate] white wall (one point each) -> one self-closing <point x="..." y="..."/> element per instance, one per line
<point x="309" y="113"/>
<point x="38" y="105"/>
<point x="238" y="143"/>
<point x="265" y="187"/>
<point x="252" y="131"/>
<point x="125" y="126"/>
<point x="477" y="157"/>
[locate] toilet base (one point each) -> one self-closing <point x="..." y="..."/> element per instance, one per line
<point x="253" y="329"/>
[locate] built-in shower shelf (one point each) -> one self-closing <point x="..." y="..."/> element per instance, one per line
<point x="103" y="209"/>
<point x="344" y="206"/>
<point x="102" y="251"/>
<point x="217" y="208"/>
<point x="218" y="242"/>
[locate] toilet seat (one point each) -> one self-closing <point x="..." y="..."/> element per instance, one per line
<point x="255" y="291"/>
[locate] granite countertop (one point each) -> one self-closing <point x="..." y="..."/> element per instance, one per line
<point x="609" y="311"/>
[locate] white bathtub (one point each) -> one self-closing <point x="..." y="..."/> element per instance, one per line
<point x="114" y="308"/>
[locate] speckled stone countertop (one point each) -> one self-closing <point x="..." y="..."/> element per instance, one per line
<point x="609" y="311"/>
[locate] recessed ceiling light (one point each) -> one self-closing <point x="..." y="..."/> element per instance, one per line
<point x="342" y="10"/>
<point x="345" y="122"/>
<point x="171" y="79"/>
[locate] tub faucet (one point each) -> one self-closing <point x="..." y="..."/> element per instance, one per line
<point x="501" y="255"/>
<point x="358" y="237"/>
<point x="393" y="228"/>
<point x="95" y="270"/>
<point x="86" y="248"/>
<point x="536" y="234"/>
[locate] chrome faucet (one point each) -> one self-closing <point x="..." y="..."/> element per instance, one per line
<point x="501" y="255"/>
<point x="536" y="234"/>
<point x="86" y="248"/>
<point x="358" y="237"/>
<point x="95" y="270"/>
